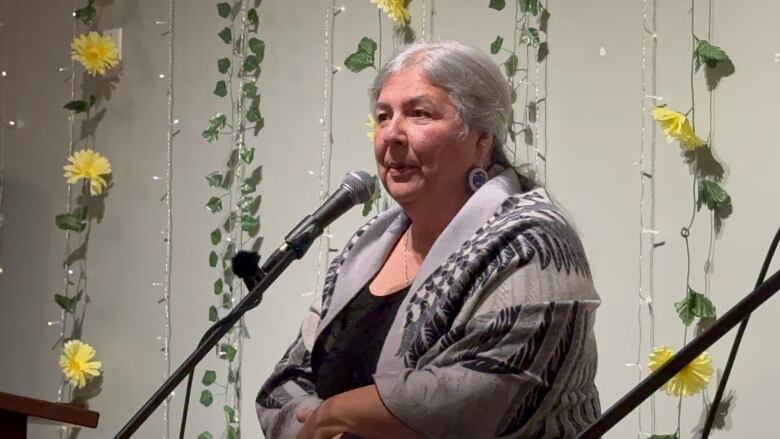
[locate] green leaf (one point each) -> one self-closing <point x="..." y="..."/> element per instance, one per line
<point x="76" y="222"/>
<point x="711" y="194"/>
<point x="205" y="435"/>
<point x="258" y="48"/>
<point x="245" y="203"/>
<point x="495" y="46"/>
<point x="511" y="65"/>
<point x="68" y="304"/>
<point x="206" y="398"/>
<point x="367" y="45"/>
<point x="250" y="63"/>
<point x="247" y="155"/>
<point x="232" y="432"/>
<point x="694" y="305"/>
<point x="77" y="106"/>
<point x="249" y="89"/>
<point x="228" y="352"/>
<point x="223" y="65"/>
<point x="213" y="259"/>
<point x="86" y="14"/>
<point x="220" y="89"/>
<point x="223" y="9"/>
<point x="249" y="223"/>
<point x="216" y="123"/>
<point x="253" y="114"/>
<point x="214" y="179"/>
<point x="230" y="412"/>
<point x="226" y="35"/>
<point x="214" y="205"/>
<point x="256" y="177"/>
<point x="210" y="135"/>
<point x="218" y="286"/>
<point x="363" y="57"/>
<point x="209" y="377"/>
<point x="213" y="315"/>
<point x="227" y="301"/>
<point x="216" y="236"/>
<point x="706" y="53"/>
<point x="531" y="6"/>
<point x="530" y="36"/>
<point x="81" y="106"/>
<point x="248" y="188"/>
<point x="497" y="4"/>
<point x="232" y="376"/>
<point x="251" y="16"/>
<point x="230" y="251"/>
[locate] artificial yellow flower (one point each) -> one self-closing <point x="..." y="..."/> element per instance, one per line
<point x="76" y="365"/>
<point x="677" y="128"/>
<point x="371" y="125"/>
<point x="97" y="53"/>
<point x="395" y="10"/>
<point x="689" y="381"/>
<point x="90" y="165"/>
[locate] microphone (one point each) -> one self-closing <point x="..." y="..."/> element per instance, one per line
<point x="356" y="188"/>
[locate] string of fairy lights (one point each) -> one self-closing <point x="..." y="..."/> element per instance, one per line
<point x="168" y="232"/>
<point x="3" y="116"/>
<point x="540" y="107"/>
<point x="326" y="121"/>
<point x="68" y="272"/>
<point x="647" y="233"/>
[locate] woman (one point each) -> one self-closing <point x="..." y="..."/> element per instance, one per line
<point x="464" y="312"/>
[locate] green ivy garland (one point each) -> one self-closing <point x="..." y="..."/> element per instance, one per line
<point x="237" y="197"/>
<point x="526" y="35"/>
<point x="707" y="174"/>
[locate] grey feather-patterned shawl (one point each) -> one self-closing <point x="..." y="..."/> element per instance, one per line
<point x="495" y="338"/>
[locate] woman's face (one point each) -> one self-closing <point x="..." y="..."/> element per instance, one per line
<point x="420" y="149"/>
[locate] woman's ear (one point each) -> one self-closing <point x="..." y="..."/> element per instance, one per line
<point x="485" y="148"/>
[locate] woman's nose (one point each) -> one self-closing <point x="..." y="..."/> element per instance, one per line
<point x="395" y="133"/>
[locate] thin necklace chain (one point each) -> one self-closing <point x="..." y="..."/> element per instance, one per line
<point x="406" y="255"/>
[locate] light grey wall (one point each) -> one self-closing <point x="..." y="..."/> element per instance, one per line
<point x="594" y="128"/>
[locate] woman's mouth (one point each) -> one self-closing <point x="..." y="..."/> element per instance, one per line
<point x="400" y="171"/>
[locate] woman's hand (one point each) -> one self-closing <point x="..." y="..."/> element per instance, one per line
<point x="359" y="411"/>
<point x="317" y="424"/>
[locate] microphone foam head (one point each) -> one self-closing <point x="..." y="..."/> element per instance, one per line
<point x="245" y="263"/>
<point x="360" y="186"/>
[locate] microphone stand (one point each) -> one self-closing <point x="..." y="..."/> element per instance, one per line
<point x="655" y="380"/>
<point x="295" y="246"/>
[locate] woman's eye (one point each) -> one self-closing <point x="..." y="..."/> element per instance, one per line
<point x="420" y="113"/>
<point x="381" y="117"/>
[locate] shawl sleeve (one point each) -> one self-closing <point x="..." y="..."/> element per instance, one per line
<point x="522" y="366"/>
<point x="291" y="384"/>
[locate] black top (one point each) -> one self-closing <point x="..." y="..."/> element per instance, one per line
<point x="346" y="354"/>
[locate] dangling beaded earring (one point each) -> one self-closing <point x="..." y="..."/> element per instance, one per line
<point x="477" y="178"/>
